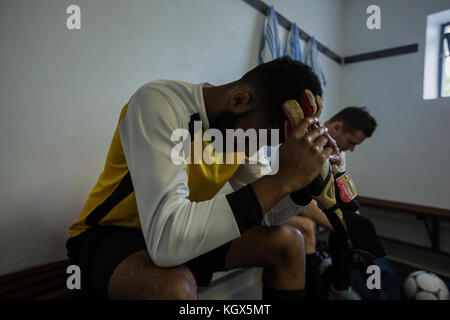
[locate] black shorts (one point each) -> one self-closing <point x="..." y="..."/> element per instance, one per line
<point x="100" y="249"/>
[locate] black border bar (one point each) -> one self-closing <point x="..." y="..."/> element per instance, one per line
<point x="382" y="53"/>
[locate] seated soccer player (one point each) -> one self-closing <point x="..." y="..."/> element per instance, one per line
<point x="156" y="228"/>
<point x="349" y="127"/>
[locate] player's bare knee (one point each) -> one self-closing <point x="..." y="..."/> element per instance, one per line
<point x="181" y="286"/>
<point x="181" y="291"/>
<point x="309" y="230"/>
<point x="288" y="243"/>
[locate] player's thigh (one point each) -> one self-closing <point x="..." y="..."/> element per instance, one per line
<point x="137" y="277"/>
<point x="313" y="212"/>
<point x="265" y="246"/>
<point x="306" y="225"/>
<point x="120" y="267"/>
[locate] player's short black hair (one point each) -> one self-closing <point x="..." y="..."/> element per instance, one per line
<point x="354" y="119"/>
<point x="277" y="81"/>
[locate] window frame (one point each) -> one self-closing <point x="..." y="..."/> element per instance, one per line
<point x="441" y="59"/>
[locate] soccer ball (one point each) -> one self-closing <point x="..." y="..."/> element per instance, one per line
<point x="424" y="285"/>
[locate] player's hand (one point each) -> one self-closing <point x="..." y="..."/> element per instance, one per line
<point x="335" y="157"/>
<point x="303" y="154"/>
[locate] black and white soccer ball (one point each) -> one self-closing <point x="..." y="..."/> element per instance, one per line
<point x="424" y="285"/>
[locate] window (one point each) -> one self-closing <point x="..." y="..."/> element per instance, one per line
<point x="436" y="76"/>
<point x="444" y="61"/>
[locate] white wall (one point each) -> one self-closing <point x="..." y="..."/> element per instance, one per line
<point x="61" y="93"/>
<point x="407" y="158"/>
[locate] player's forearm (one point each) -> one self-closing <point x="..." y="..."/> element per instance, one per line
<point x="269" y="190"/>
<point x="181" y="230"/>
<point x="317" y="215"/>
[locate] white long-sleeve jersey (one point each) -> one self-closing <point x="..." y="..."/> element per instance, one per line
<point x="142" y="187"/>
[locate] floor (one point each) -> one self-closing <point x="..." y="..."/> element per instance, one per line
<point x="413" y="257"/>
<point x="417" y="259"/>
<point x="241" y="284"/>
<point x="245" y="284"/>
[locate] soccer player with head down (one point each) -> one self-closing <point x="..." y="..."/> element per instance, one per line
<point x="349" y="128"/>
<point x="155" y="229"/>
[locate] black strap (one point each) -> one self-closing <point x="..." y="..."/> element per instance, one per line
<point x="194" y="117"/>
<point x="316" y="187"/>
<point x="301" y="197"/>
<point x="124" y="189"/>
<point x="246" y="208"/>
<point x="336" y="222"/>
